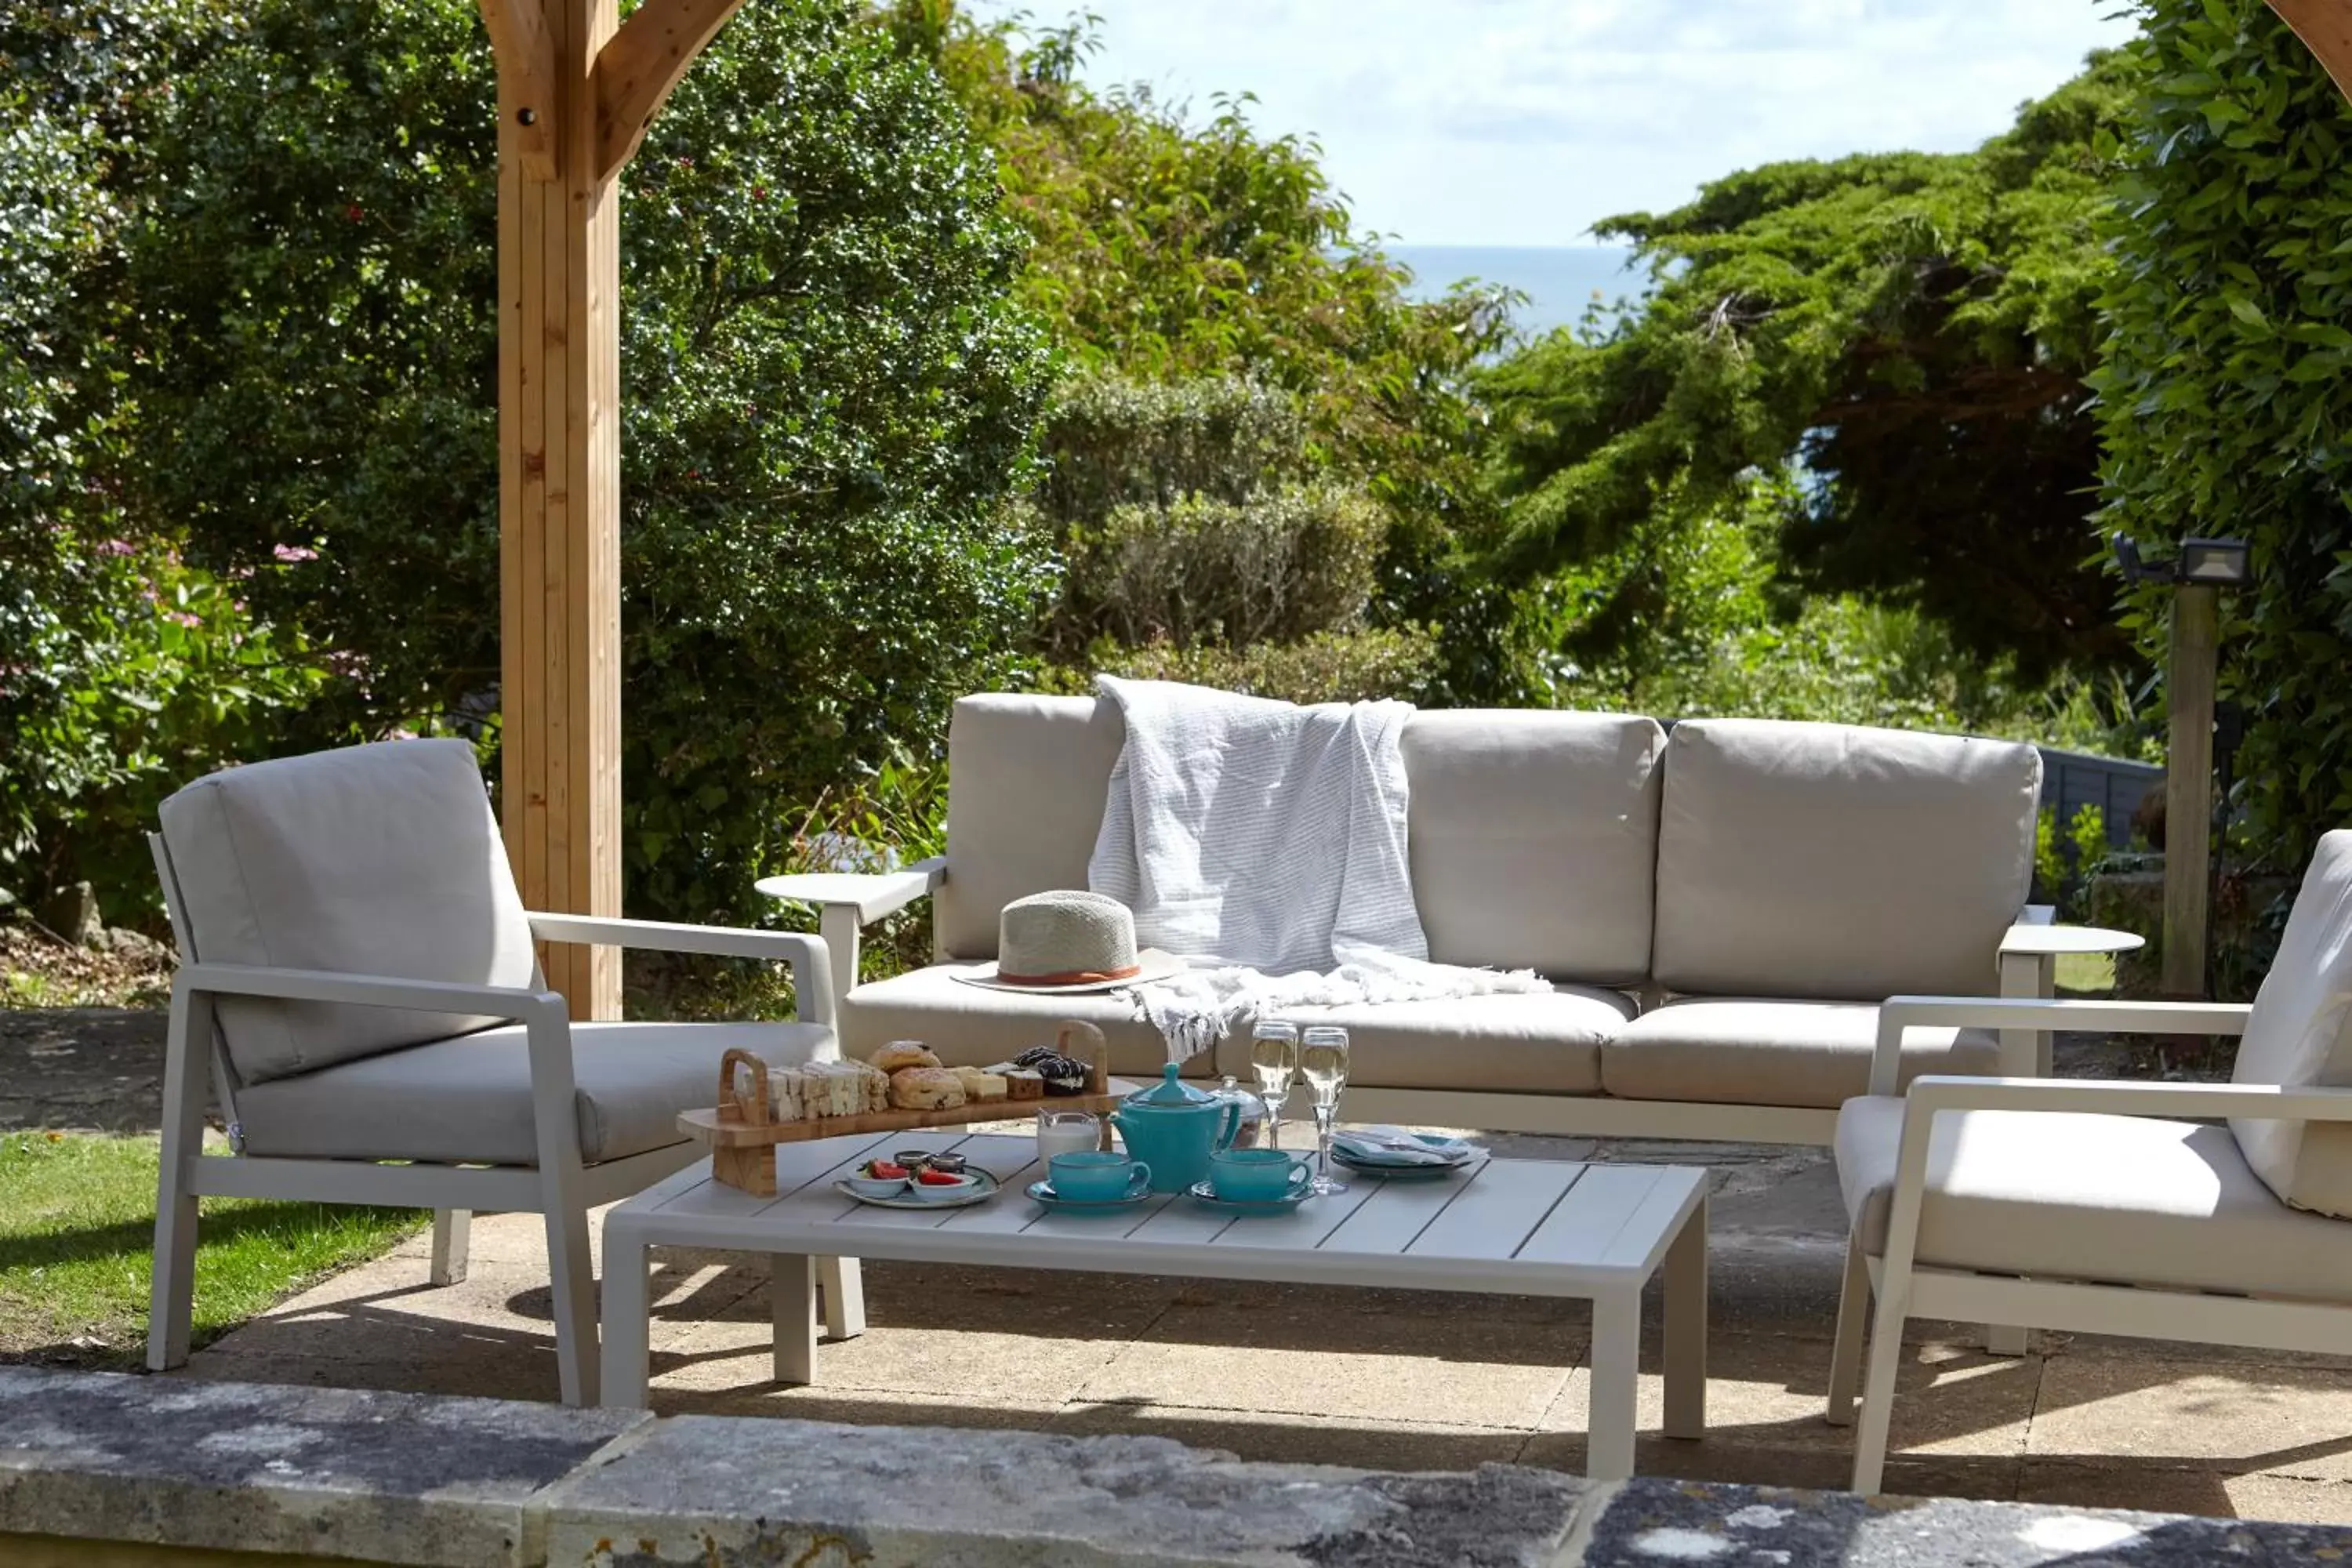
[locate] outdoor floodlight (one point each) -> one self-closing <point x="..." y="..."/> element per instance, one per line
<point x="2222" y="562"/>
<point x="2202" y="563"/>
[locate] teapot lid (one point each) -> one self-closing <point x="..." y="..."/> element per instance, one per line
<point x="1168" y="1094"/>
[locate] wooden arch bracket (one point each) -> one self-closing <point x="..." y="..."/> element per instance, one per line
<point x="526" y="56"/>
<point x="636" y="70"/>
<point x="2326" y="26"/>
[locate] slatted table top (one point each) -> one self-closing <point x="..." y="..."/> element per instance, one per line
<point x="1531" y="1227"/>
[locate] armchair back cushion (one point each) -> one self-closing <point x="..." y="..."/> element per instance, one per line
<point x="1830" y="862"/>
<point x="1534" y="839"/>
<point x="382" y="860"/>
<point x="2300" y="1037"/>
<point x="1027" y="777"/>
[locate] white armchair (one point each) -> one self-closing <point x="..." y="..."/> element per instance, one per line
<point x="359" y="983"/>
<point x="2217" y="1213"/>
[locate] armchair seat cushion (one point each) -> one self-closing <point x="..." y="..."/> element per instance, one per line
<point x="1539" y="1043"/>
<point x="1752" y="1051"/>
<point x="468" y="1099"/>
<point x="2108" y="1199"/>
<point x="972" y="1025"/>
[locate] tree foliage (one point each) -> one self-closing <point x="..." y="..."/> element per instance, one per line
<point x="828" y="391"/>
<point x="2226" y="379"/>
<point x="1912" y="328"/>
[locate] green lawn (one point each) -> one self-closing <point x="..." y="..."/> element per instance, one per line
<point x="77" y="1223"/>
<point x="2086" y="971"/>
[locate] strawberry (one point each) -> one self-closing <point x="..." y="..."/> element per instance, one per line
<point x="885" y="1169"/>
<point x="938" y="1179"/>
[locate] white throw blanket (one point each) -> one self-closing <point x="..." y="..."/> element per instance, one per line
<point x="1265" y="844"/>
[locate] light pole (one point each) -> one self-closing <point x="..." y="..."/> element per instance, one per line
<point x="2198" y="575"/>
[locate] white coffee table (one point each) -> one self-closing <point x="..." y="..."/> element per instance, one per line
<point x="1532" y="1227"/>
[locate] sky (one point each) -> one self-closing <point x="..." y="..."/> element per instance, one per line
<point x="1523" y="122"/>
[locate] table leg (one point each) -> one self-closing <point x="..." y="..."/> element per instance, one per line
<point x="843" y="1285"/>
<point x="791" y="1303"/>
<point x="1686" y="1271"/>
<point x="2024" y="1053"/>
<point x="626" y="1313"/>
<point x="1616" y="1382"/>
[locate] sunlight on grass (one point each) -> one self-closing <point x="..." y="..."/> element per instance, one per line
<point x="2088" y="972"/>
<point x="77" y="1223"/>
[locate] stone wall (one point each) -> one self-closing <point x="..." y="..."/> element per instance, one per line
<point x="181" y="1469"/>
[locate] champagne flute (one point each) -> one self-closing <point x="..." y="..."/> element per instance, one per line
<point x="1323" y="1062"/>
<point x="1274" y="1059"/>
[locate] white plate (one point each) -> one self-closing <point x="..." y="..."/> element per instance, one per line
<point x="984" y="1187"/>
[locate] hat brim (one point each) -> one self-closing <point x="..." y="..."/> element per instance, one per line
<point x="1154" y="965"/>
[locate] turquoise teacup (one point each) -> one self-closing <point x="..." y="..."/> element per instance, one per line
<point x="1258" y="1176"/>
<point x="1096" y="1178"/>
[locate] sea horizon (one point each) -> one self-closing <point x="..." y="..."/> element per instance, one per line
<point x="1560" y="281"/>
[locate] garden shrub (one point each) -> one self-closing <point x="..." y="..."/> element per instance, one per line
<point x="1328" y="666"/>
<point x="828" y="392"/>
<point x="2225" y="387"/>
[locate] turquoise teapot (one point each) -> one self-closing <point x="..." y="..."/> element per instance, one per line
<point x="1174" y="1129"/>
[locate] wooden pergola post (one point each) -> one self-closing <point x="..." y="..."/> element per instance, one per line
<point x="576" y="94"/>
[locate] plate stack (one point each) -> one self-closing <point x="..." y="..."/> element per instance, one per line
<point x="1393" y="1151"/>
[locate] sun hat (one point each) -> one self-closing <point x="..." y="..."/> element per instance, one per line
<point x="1068" y="940"/>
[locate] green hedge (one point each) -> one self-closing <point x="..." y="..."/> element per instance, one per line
<point x="2226" y="387"/>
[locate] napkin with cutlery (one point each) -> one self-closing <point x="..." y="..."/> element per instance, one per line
<point x="1395" y="1146"/>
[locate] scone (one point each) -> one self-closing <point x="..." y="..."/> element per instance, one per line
<point x="925" y="1089"/>
<point x="900" y="1054"/>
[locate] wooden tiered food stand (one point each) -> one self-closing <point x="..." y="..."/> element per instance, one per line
<point x="742" y="1131"/>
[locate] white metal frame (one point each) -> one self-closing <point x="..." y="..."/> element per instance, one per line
<point x="1904" y="1289"/>
<point x="2026" y="966"/>
<point x="560" y="1187"/>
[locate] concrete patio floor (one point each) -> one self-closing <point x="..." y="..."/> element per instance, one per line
<point x="1389" y="1379"/>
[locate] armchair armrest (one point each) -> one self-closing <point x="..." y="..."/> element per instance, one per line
<point x="872" y="894"/>
<point x="2195" y="1102"/>
<point x="811" y="965"/>
<point x="1899" y="1013"/>
<point x="517" y="1004"/>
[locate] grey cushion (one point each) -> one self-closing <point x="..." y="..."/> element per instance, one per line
<point x="972" y="1026"/>
<point x="381" y="859"/>
<point x="1528" y="1044"/>
<point x="1819" y="860"/>
<point x="2299" y="1035"/>
<point x="1769" y="1051"/>
<point x="1028" y="778"/>
<point x="2116" y="1199"/>
<point x="468" y="1098"/>
<point x="1534" y="839"/>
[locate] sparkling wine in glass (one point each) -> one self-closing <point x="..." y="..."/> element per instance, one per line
<point x="1274" y="1059"/>
<point x="1323" y="1062"/>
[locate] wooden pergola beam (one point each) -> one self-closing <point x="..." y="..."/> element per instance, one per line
<point x="2325" y="27"/>
<point x="576" y="92"/>
<point x="638" y="69"/>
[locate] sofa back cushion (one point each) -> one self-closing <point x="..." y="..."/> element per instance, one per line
<point x="1535" y="838"/>
<point x="2300" y="1037"/>
<point x="1821" y="860"/>
<point x="1026" y="781"/>
<point x="381" y="859"/>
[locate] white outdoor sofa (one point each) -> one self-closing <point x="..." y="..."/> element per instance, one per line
<point x="1721" y="911"/>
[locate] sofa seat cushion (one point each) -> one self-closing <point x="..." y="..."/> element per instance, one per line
<point x="468" y="1098"/>
<point x="972" y="1025"/>
<point x="2115" y="1199"/>
<point x="1750" y="1051"/>
<point x="1525" y="1043"/>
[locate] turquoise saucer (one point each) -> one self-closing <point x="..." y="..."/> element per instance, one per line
<point x="1043" y="1194"/>
<point x="1206" y="1194"/>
